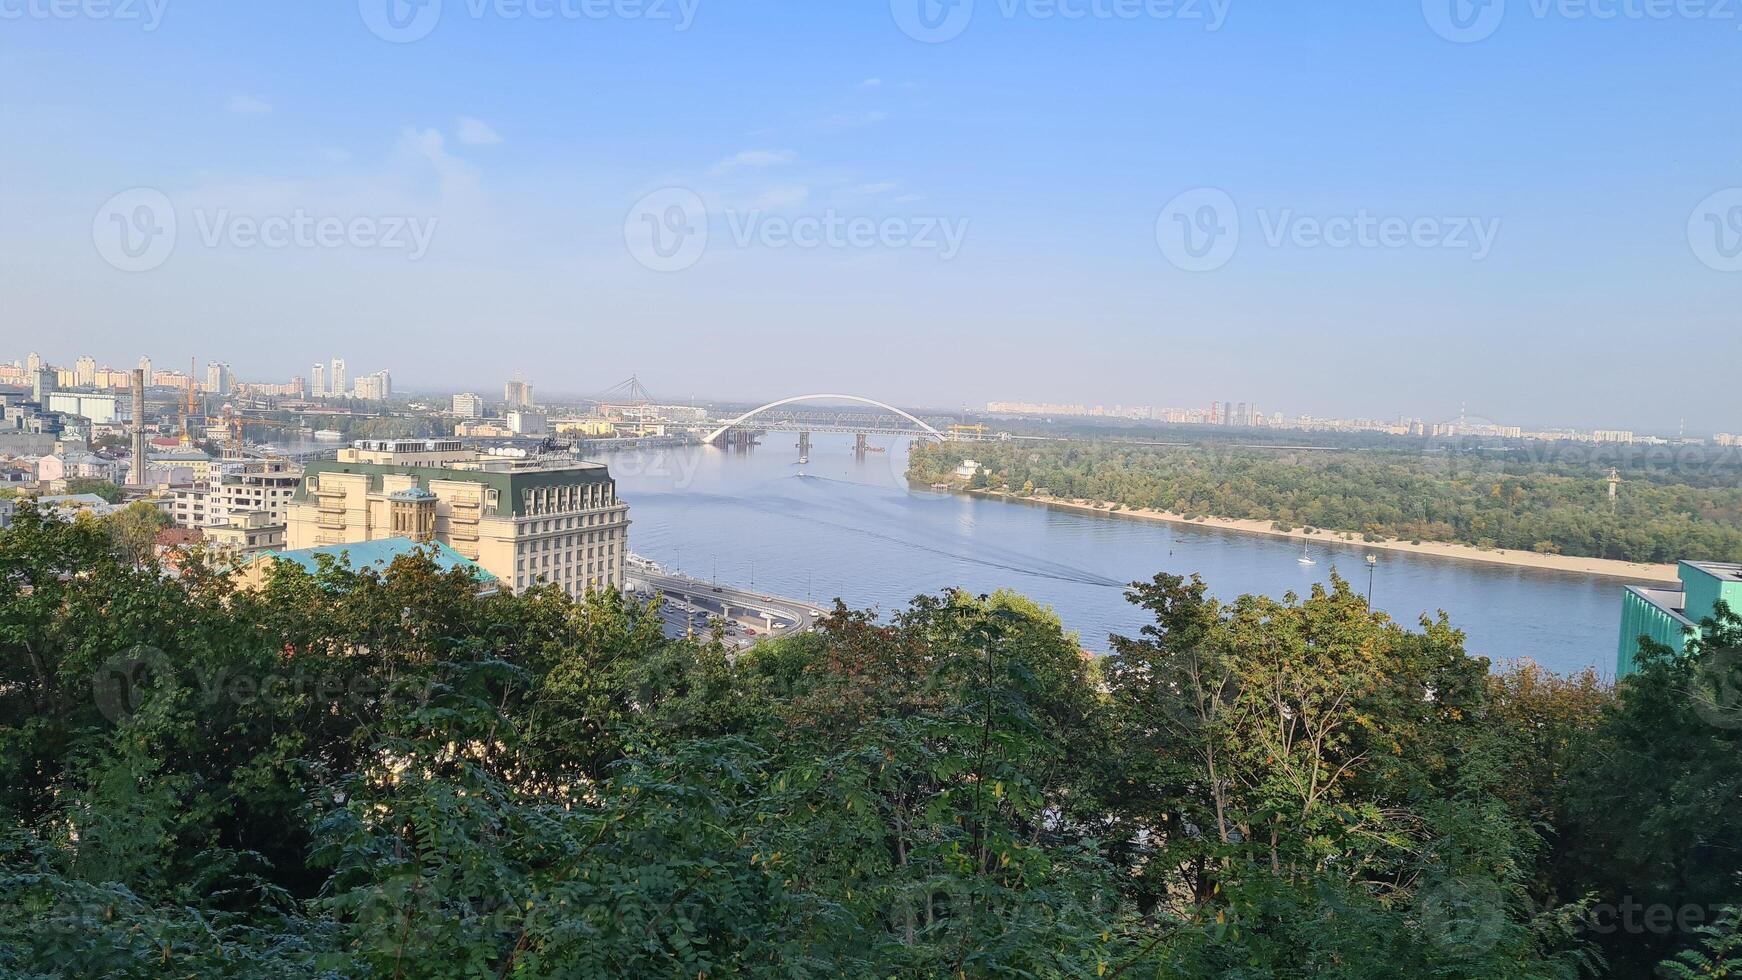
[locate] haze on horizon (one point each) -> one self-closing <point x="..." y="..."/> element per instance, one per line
<point x="1537" y="214"/>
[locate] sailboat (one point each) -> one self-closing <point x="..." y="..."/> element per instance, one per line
<point x="1305" y="559"/>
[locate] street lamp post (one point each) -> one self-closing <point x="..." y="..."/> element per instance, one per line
<point x="1372" y="563"/>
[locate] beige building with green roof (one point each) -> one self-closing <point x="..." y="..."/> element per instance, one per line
<point x="525" y="521"/>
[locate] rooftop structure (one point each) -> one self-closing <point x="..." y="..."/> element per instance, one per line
<point x="1670" y="616"/>
<point x="380" y="556"/>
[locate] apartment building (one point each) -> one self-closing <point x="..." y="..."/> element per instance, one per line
<point x="266" y="486"/>
<point x="525" y="521"/>
<point x="246" y="534"/>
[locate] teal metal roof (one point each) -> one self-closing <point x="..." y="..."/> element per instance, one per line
<point x="380" y="554"/>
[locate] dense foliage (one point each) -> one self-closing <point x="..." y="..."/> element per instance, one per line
<point x="1668" y="508"/>
<point x="356" y="775"/>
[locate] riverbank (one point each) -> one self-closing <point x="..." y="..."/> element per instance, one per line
<point x="1601" y="567"/>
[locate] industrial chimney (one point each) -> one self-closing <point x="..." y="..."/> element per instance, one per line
<point x="139" y="427"/>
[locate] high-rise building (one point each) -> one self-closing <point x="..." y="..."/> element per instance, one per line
<point x="523" y="521"/>
<point x="84" y="371"/>
<point x="33" y="363"/>
<point x="375" y="387"/>
<point x="527" y="422"/>
<point x="219" y="378"/>
<point x="517" y="393"/>
<point x="317" y="384"/>
<point x="339" y="385"/>
<point x="145" y="365"/>
<point x="469" y="406"/>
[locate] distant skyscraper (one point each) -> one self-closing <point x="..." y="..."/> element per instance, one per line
<point x="517" y="393"/>
<point x="33" y="363"/>
<point x="145" y="365"/>
<point x="339" y="385"/>
<point x="85" y="371"/>
<point x="1227" y="413"/>
<point x="219" y="378"/>
<point x="317" y="381"/>
<point x="375" y="387"/>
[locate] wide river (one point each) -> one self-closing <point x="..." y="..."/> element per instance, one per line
<point x="851" y="528"/>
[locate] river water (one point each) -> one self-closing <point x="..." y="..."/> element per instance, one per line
<point x="851" y="528"/>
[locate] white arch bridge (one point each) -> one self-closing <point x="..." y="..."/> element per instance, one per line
<point x="920" y="427"/>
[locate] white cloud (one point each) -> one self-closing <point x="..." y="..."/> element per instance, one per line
<point x="875" y="190"/>
<point x="476" y="132"/>
<point x="869" y="84"/>
<point x="755" y="160"/>
<point x="247" y="105"/>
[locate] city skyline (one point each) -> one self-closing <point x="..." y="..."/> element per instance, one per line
<point x="380" y="385"/>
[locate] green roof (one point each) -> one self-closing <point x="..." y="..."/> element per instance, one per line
<point x="380" y="554"/>
<point x="512" y="486"/>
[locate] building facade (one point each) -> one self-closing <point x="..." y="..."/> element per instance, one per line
<point x="264" y="486"/>
<point x="468" y="406"/>
<point x="247" y="533"/>
<point x="1670" y="616"/>
<point x="524" y="521"/>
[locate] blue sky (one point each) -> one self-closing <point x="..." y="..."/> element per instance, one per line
<point x="1050" y="145"/>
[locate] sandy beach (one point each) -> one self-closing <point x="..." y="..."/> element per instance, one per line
<point x="1605" y="567"/>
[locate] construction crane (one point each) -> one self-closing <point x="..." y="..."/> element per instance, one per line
<point x="235" y="420"/>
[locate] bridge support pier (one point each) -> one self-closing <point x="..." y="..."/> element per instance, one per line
<point x="804" y="445"/>
<point x="859" y="446"/>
